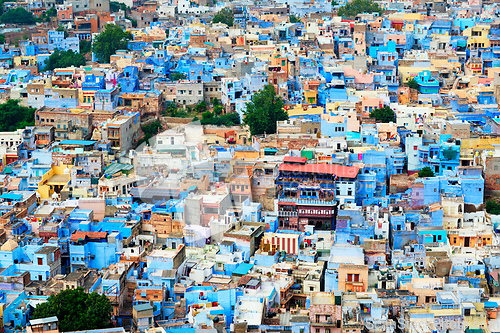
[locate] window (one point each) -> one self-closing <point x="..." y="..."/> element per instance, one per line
<point x="172" y="140"/>
<point x="317" y="319"/>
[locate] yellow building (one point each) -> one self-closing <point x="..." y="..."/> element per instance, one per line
<point x="54" y="180"/>
<point x="478" y="36"/>
<point x="25" y="61"/>
<point x="311" y="96"/>
<point x="305" y="110"/>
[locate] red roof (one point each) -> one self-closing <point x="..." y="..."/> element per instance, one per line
<point x="88" y="234"/>
<point x="332" y="169"/>
<point x="294" y="159"/>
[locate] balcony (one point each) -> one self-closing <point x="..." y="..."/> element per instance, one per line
<point x="314" y="202"/>
<point x="354" y="286"/>
<point x="284" y="213"/>
<point x="315" y="214"/>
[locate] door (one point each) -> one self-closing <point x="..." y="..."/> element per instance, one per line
<point x="467" y="242"/>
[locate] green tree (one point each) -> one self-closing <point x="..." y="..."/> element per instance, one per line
<point x="225" y="16"/>
<point x="384" y="114"/>
<point x="413" y="84"/>
<point x="76" y="310"/>
<point x="2" y="39"/>
<point x="264" y="110"/>
<point x="108" y="41"/>
<point x="85" y="46"/>
<point x="117" y="6"/>
<point x="351" y="9"/>
<point x="14" y="116"/>
<point x="63" y="59"/>
<point x="493" y="207"/>
<point x="150" y="129"/>
<point x="61" y="28"/>
<point x="2" y="6"/>
<point x="177" y="76"/>
<point x="46" y="17"/>
<point x="201" y="107"/>
<point x="230" y="119"/>
<point x="426" y="172"/>
<point x="52" y="12"/>
<point x="294" y="19"/>
<point x="18" y="15"/>
<point x="218" y="109"/>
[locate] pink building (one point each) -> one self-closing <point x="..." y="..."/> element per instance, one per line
<point x="325" y="313"/>
<point x="370" y="104"/>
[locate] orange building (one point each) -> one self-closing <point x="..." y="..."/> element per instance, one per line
<point x="469" y="238"/>
<point x="353" y="278"/>
<point x="65" y="14"/>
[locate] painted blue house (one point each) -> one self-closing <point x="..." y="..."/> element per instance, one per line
<point x="426" y="83"/>
<point x="129" y="81"/>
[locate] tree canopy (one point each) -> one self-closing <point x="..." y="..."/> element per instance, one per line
<point x="112" y="38"/>
<point x="426" y="172"/>
<point x="351" y="9"/>
<point x="210" y="118"/>
<point x="76" y="310"/>
<point x="225" y="16"/>
<point x="264" y="110"/>
<point x="150" y="130"/>
<point x="384" y="114"/>
<point x="116" y="6"/>
<point x="177" y="76"/>
<point x="14" y="116"/>
<point x="18" y="15"/>
<point x="46" y="17"/>
<point x="294" y="19"/>
<point x="413" y="84"/>
<point x="63" y="59"/>
<point x="493" y="207"/>
<point x="85" y="46"/>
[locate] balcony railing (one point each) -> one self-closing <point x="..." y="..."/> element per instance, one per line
<point x="285" y="213"/>
<point x="309" y="201"/>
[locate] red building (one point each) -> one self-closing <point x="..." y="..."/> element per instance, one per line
<point x="306" y="193"/>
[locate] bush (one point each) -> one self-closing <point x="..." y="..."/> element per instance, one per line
<point x="426" y="172"/>
<point x="493" y="207"/>
<point x="177" y="76"/>
<point x="230" y="119"/>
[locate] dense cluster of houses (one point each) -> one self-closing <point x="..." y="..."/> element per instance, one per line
<point x="328" y="225"/>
